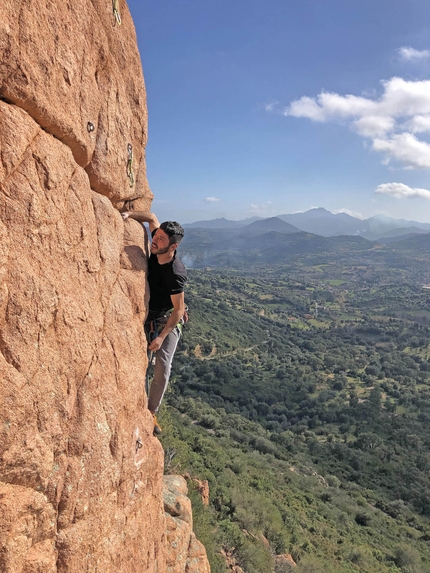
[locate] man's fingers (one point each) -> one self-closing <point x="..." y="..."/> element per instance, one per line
<point x="155" y="345"/>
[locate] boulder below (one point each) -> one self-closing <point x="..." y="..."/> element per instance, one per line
<point x="185" y="554"/>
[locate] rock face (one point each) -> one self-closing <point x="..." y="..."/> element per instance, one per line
<point x="80" y="472"/>
<point x="77" y="73"/>
<point x="72" y="363"/>
<point x="185" y="554"/>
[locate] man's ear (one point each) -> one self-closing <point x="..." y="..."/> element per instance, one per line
<point x="174" y="246"/>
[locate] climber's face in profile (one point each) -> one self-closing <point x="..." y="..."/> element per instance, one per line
<point x="161" y="243"/>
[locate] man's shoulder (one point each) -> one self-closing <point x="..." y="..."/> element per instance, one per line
<point x="179" y="267"/>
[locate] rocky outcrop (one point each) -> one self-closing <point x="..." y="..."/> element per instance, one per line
<point x="202" y="487"/>
<point x="285" y="562"/>
<point x="185" y="554"/>
<point x="231" y="561"/>
<point x="80" y="472"/>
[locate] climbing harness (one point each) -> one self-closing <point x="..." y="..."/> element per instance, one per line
<point x="116" y="12"/>
<point x="130" y="164"/>
<point x="90" y="127"/>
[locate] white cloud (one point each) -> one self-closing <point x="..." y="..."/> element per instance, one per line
<point x="403" y="98"/>
<point x="373" y="125"/>
<point x="349" y="212"/>
<point x="402" y="191"/>
<point x="346" y="106"/>
<point x="390" y="122"/>
<point x="408" y="54"/>
<point x="400" y="98"/>
<point x="212" y="199"/>
<point x="418" y="124"/>
<point x="407" y="149"/>
<point x="271" y="106"/>
<point x="306" y="107"/>
<point x="329" y="106"/>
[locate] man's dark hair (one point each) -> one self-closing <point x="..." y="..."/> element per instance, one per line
<point x="173" y="230"/>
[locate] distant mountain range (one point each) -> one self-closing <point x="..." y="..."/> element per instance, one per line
<point x="222" y="223"/>
<point x="219" y="248"/>
<point x="274" y="224"/>
<point x="230" y="243"/>
<point x="319" y="221"/>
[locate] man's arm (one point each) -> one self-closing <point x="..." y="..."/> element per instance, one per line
<point x="142" y="217"/>
<point x="178" y="301"/>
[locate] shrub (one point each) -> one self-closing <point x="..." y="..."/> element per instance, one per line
<point x="362" y="518"/>
<point x="407" y="559"/>
<point x="204" y="527"/>
<point x="255" y="557"/>
<point x="264" y="446"/>
<point x="313" y="565"/>
<point x="333" y="481"/>
<point x="210" y="421"/>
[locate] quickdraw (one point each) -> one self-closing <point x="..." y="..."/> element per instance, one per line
<point x="116" y="12"/>
<point x="130" y="164"/>
<point x="151" y="331"/>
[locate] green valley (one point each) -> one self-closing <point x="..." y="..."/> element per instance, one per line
<point x="301" y="392"/>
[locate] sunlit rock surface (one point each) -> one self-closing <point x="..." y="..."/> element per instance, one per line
<point x="185" y="554"/>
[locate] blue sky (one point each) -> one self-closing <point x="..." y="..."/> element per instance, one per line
<point x="265" y="107"/>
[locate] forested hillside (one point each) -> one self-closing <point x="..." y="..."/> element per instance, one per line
<point x="301" y="391"/>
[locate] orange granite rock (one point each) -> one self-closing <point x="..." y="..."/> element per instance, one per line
<point x="203" y="487"/>
<point x="78" y="74"/>
<point x="197" y="561"/>
<point x="285" y="560"/>
<point x="185" y="554"/>
<point x="72" y="364"/>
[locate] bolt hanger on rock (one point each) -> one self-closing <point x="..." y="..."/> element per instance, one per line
<point x="90" y="127"/>
<point x="130" y="164"/>
<point x="116" y="12"/>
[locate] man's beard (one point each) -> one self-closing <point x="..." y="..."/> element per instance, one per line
<point x="160" y="251"/>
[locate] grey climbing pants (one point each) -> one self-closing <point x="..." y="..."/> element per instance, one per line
<point x="162" y="368"/>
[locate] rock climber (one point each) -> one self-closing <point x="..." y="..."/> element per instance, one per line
<point x="167" y="312"/>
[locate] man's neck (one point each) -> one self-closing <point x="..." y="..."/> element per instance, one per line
<point x="166" y="258"/>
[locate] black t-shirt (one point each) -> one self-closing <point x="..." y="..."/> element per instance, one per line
<point x="164" y="280"/>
